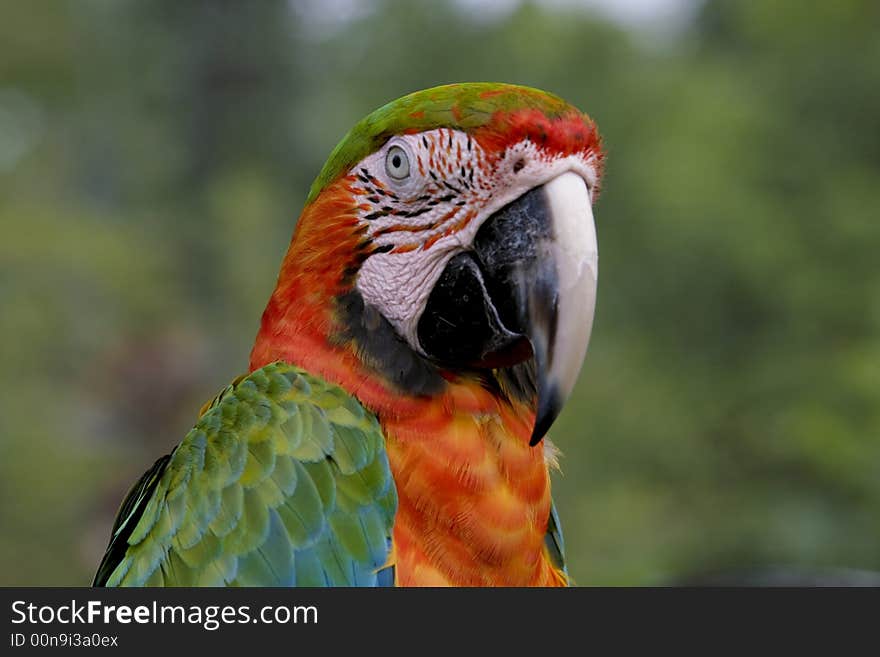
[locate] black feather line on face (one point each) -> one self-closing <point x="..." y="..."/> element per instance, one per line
<point x="416" y="213"/>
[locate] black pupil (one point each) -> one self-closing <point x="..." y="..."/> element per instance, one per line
<point x="395" y="161"/>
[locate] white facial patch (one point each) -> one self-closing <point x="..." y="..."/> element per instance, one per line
<point x="433" y="213"/>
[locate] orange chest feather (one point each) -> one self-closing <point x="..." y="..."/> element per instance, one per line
<point x="474" y="498"/>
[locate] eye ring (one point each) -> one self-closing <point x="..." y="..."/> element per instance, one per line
<point x="397" y="163"/>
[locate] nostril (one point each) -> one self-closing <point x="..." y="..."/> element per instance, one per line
<point x="518" y="165"/>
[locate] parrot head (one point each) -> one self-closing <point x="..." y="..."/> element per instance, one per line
<point x="450" y="234"/>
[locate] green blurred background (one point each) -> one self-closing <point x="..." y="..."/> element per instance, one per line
<point x="154" y="158"/>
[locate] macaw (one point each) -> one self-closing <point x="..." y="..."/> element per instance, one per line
<point x="429" y="321"/>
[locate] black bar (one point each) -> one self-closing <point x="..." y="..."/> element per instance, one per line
<point x="257" y="621"/>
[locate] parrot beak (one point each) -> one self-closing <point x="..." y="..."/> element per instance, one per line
<point x="527" y="289"/>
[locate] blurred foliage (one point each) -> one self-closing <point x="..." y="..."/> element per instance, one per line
<point x="154" y="157"/>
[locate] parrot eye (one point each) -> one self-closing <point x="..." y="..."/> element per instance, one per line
<point x="397" y="163"/>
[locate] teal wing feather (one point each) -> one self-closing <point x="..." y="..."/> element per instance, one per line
<point x="554" y="542"/>
<point x="284" y="481"/>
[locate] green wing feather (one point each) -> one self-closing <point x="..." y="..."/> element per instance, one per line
<point x="284" y="481"/>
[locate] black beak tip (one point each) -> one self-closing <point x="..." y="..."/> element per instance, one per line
<point x="549" y="406"/>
